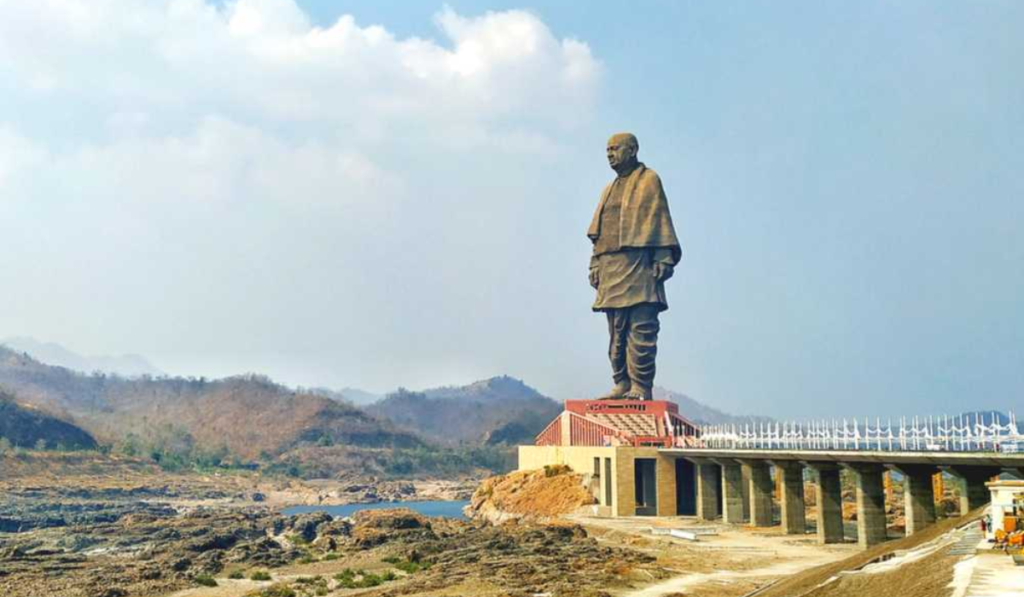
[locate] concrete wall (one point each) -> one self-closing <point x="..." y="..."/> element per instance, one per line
<point x="581" y="459"/>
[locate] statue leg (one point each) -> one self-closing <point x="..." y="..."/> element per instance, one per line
<point x="618" y="332"/>
<point x="641" y="350"/>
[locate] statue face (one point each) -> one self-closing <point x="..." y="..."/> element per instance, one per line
<point x="619" y="152"/>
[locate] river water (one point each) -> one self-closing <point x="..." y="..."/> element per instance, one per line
<point x="437" y="508"/>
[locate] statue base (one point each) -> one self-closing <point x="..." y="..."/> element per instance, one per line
<point x="654" y="423"/>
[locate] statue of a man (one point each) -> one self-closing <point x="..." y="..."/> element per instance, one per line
<point x="635" y="249"/>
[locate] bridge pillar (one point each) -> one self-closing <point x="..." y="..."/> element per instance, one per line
<point x="918" y="495"/>
<point x="746" y="492"/>
<point x="973" y="493"/>
<point x="708" y="487"/>
<point x="732" y="492"/>
<point x="828" y="495"/>
<point x="871" y="525"/>
<point x="761" y="490"/>
<point x="794" y="511"/>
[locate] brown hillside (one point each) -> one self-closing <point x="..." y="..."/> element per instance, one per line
<point x="247" y="416"/>
<point x="27" y="427"/>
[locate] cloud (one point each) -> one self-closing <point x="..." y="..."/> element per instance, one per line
<point x="170" y="86"/>
<point x="184" y="176"/>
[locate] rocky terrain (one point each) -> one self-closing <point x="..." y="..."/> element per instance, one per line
<point x="155" y="540"/>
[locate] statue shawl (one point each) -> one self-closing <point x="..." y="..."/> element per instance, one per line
<point x="645" y="219"/>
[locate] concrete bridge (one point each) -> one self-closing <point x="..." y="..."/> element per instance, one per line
<point x="737" y="485"/>
<point x="646" y="459"/>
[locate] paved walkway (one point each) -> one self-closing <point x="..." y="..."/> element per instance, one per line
<point x="988" y="574"/>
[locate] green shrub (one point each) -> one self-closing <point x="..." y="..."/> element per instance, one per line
<point x="331" y="557"/>
<point x="278" y="590"/>
<point x="236" y="575"/>
<point x="360" y="579"/>
<point x="260" y="575"/>
<point x="205" y="580"/>
<point x="407" y="566"/>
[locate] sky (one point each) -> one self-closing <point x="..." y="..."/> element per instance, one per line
<point x="384" y="194"/>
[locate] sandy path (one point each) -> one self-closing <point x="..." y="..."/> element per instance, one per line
<point x="689" y="581"/>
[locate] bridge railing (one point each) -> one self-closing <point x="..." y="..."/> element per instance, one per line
<point x="962" y="433"/>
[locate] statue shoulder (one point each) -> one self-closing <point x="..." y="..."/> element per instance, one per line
<point x="649" y="179"/>
<point x="650" y="174"/>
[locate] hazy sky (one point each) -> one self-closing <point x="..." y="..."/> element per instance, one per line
<point x="389" y="193"/>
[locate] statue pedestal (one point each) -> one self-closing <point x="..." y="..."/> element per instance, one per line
<point x="647" y="407"/>
<point x="652" y="423"/>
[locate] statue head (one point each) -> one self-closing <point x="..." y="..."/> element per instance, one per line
<point x="622" y="150"/>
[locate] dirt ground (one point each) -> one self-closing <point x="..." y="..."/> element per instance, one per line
<point x="731" y="562"/>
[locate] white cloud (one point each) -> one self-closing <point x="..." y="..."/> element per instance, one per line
<point x="171" y="79"/>
<point x="207" y="173"/>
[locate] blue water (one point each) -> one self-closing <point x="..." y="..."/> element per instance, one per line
<point x="445" y="509"/>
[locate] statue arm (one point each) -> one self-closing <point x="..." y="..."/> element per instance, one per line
<point x="595" y="278"/>
<point x="664" y="262"/>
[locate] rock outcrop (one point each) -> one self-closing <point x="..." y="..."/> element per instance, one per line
<point x="529" y="495"/>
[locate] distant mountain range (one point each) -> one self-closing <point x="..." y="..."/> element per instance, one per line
<point x="128" y="365"/>
<point x="247" y="416"/>
<point x="500" y="410"/>
<point x="360" y="397"/>
<point x="251" y="416"/>
<point x="702" y="413"/>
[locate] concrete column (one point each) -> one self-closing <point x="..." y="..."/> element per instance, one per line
<point x="918" y="496"/>
<point x="794" y="511"/>
<point x="708" y="488"/>
<point x="973" y="493"/>
<point x="746" y="492"/>
<point x="666" y="476"/>
<point x="828" y="494"/>
<point x="761" y="503"/>
<point x="871" y="525"/>
<point x="732" y="492"/>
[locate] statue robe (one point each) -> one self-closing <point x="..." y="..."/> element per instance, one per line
<point x="631" y="231"/>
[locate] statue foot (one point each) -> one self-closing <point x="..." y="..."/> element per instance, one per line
<point x="638" y="393"/>
<point x="618" y="392"/>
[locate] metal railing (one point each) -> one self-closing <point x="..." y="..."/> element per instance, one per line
<point x="963" y="433"/>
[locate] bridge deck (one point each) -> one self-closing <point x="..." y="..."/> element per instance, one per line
<point x="993" y="459"/>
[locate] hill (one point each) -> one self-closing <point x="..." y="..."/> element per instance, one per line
<point x="247" y="416"/>
<point x="26" y="427"/>
<point x="128" y="365"/>
<point x="496" y="411"/>
<point x="351" y="395"/>
<point x="702" y="413"/>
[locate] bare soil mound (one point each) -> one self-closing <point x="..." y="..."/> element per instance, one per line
<point x="534" y="495"/>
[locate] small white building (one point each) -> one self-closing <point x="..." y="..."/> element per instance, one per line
<point x="1007" y="503"/>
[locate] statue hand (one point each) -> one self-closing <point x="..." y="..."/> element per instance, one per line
<point x="662" y="271"/>
<point x="594" y="278"/>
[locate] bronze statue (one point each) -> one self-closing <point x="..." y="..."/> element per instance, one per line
<point x="635" y="251"/>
